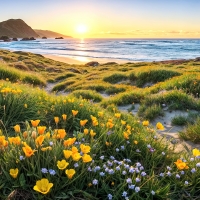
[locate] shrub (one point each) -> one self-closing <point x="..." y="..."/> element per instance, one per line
<point x="115" y="78"/>
<point x="179" y="120"/>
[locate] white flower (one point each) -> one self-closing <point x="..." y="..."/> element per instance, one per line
<point x="198" y="165"/>
<point x="117" y="150"/>
<point x="131" y="170"/>
<point x="138" y="164"/>
<point x="162" y="174"/>
<point x="193" y="170"/>
<point x="163" y="153"/>
<point x="186" y="183"/>
<point x="21" y="158"/>
<point x="111" y="171"/>
<point x="169" y="168"/>
<point x="117" y="168"/>
<point x="182" y="172"/>
<point x="101" y="157"/>
<point x="112" y="157"/>
<point x="143" y="174"/>
<point x="137" y="189"/>
<point x="102" y="174"/>
<point x="122" y="147"/>
<point x="95" y="182"/>
<point x="141" y="168"/>
<point x="129" y="180"/>
<point x="191" y="159"/>
<point x="169" y="173"/>
<point x="177" y="176"/>
<point x="137" y="150"/>
<point x="149" y="146"/>
<point x="152" y="192"/>
<point x="110" y="196"/>
<point x="75" y="165"/>
<point x="44" y="170"/>
<point x="124" y="172"/>
<point x="51" y="143"/>
<point x="137" y="180"/>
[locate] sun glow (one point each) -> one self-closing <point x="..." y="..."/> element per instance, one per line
<point x="81" y="28"/>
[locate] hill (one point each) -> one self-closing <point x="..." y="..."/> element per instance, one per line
<point x="50" y="34"/>
<point x="16" y="28"/>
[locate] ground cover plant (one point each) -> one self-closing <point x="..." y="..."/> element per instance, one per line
<point x="67" y="147"/>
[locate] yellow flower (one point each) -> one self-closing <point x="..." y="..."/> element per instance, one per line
<point x="64" y="116"/>
<point x="74" y="150"/>
<point x="113" y="183"/>
<point x="135" y="142"/>
<point x="43" y="186"/>
<point x="160" y="126"/>
<point x="41" y="129"/>
<point x="46" y="148"/>
<point x="17" y="128"/>
<point x="85" y="148"/>
<point x="86" y="158"/>
<point x="117" y="115"/>
<point x="76" y="156"/>
<point x="15" y="140"/>
<point x="39" y="140"/>
<point x="74" y="112"/>
<point x="123" y="122"/>
<point x="67" y="153"/>
<point x="126" y="135"/>
<point x="100" y="114"/>
<point x="69" y="142"/>
<point x="25" y="105"/>
<point x="181" y="165"/>
<point x="85" y="131"/>
<point x="62" y="164"/>
<point x="108" y="143"/>
<point x="145" y="123"/>
<point x="95" y="122"/>
<point x="70" y="173"/>
<point x="92" y="133"/>
<point x="35" y="122"/>
<point x="61" y="133"/>
<point x="14" y="172"/>
<point x="196" y="152"/>
<point x="56" y="119"/>
<point x="47" y="135"/>
<point x="28" y="151"/>
<point x="83" y="122"/>
<point x="109" y="124"/>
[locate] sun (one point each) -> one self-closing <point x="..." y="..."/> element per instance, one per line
<point x="81" y="28"/>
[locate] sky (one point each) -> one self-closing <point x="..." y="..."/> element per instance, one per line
<point x="108" y="18"/>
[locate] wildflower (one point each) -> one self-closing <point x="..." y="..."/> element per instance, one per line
<point x="126" y="135"/>
<point x="101" y="157"/>
<point x="131" y="187"/>
<point x="25" y="105"/>
<point x="124" y="172"/>
<point x="92" y="133"/>
<point x="86" y="158"/>
<point x="137" y="180"/>
<point x="56" y="119"/>
<point x="70" y="173"/>
<point x="61" y="133"/>
<point x="95" y="182"/>
<point x="135" y="142"/>
<point x="85" y="131"/>
<point x="110" y="197"/>
<point x="137" y="189"/>
<point x="198" y="165"/>
<point x="111" y="171"/>
<point x="143" y="174"/>
<point x="62" y="164"/>
<point x="100" y="114"/>
<point x="39" y="140"/>
<point x="123" y="122"/>
<point x="43" y="186"/>
<point x="159" y="126"/>
<point x="145" y="123"/>
<point x="162" y="174"/>
<point x="196" y="152"/>
<point x="25" y="134"/>
<point x="128" y="180"/>
<point x="169" y="168"/>
<point x="28" y="151"/>
<point x="69" y="142"/>
<point x="44" y="170"/>
<point x="64" y="117"/>
<point x="109" y="124"/>
<point x="186" y="183"/>
<point x="102" y="174"/>
<point x="14" y="140"/>
<point x="181" y="165"/>
<point x="33" y="135"/>
<point x="149" y="146"/>
<point x="83" y="122"/>
<point x="17" y="128"/>
<point x="95" y="122"/>
<point x="152" y="192"/>
<point x="14" y="172"/>
<point x="163" y="153"/>
<point x="74" y="112"/>
<point x="41" y="129"/>
<point x="117" y="115"/>
<point x="124" y="194"/>
<point x="85" y="148"/>
<point x="191" y="159"/>
<point x="21" y="158"/>
<point x="76" y="156"/>
<point x="51" y="143"/>
<point x="182" y="172"/>
<point x="117" y="150"/>
<point x="177" y="176"/>
<point x="35" y="122"/>
<point x="193" y="170"/>
<point x="169" y="173"/>
<point x="52" y="172"/>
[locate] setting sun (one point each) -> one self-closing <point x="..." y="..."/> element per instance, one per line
<point x="81" y="28"/>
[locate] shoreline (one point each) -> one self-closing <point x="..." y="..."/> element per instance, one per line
<point x="83" y="60"/>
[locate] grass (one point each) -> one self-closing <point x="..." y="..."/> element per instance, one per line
<point x="179" y="120"/>
<point x="122" y="151"/>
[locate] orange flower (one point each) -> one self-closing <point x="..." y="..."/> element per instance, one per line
<point x="126" y="135"/>
<point x="35" y="122"/>
<point x="28" y="151"/>
<point x="41" y="129"/>
<point x="25" y="134"/>
<point x="95" y="122"/>
<point x="69" y="142"/>
<point x="64" y="116"/>
<point x="17" y="128"/>
<point x="160" y="126"/>
<point x="56" y="119"/>
<point x="109" y="124"/>
<point x="85" y="148"/>
<point x="86" y="158"/>
<point x="83" y="122"/>
<point x="92" y="133"/>
<point x="74" y="112"/>
<point x="67" y="153"/>
<point x="181" y="165"/>
<point x="61" y="133"/>
<point x="39" y="140"/>
<point x="15" y="140"/>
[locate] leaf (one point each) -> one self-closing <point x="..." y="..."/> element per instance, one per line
<point x="22" y="180"/>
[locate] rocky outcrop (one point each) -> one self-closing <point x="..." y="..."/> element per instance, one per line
<point x="92" y="64"/>
<point x="27" y="39"/>
<point x="59" y="38"/>
<point x="5" y="38"/>
<point x="15" y="39"/>
<point x="44" y="37"/>
<point x="16" y="28"/>
<point x="50" y="34"/>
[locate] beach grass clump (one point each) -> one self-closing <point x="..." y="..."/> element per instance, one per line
<point x="87" y="94"/>
<point x="115" y="78"/>
<point x="63" y="85"/>
<point x="191" y="132"/>
<point x="114" y="90"/>
<point x="150" y="112"/>
<point x="64" y="76"/>
<point x="179" y="120"/>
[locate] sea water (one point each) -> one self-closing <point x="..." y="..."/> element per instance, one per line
<point x="119" y="49"/>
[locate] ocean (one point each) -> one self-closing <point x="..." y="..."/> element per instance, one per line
<point x="131" y="50"/>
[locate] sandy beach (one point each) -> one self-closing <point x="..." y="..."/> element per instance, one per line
<point x="83" y="60"/>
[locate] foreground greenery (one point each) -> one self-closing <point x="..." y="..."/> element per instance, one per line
<point x="80" y="146"/>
